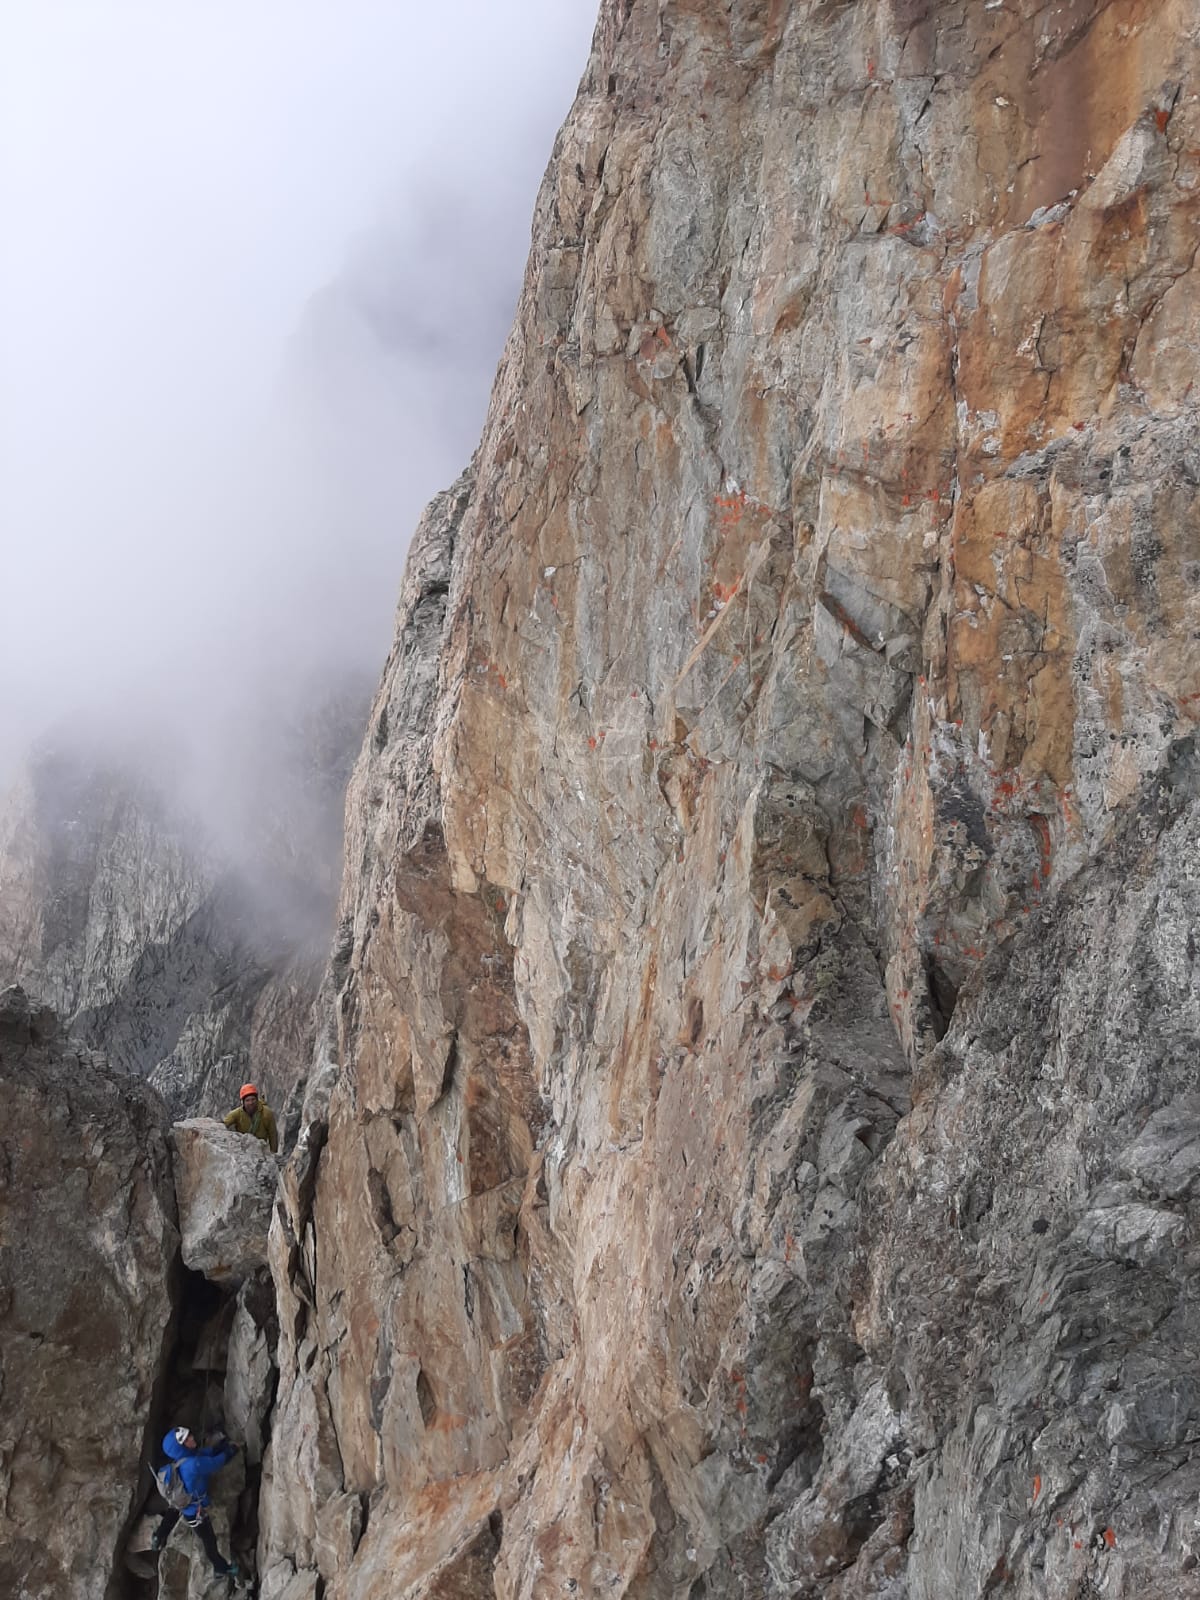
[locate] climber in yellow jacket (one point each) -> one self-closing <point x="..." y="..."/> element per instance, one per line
<point x="254" y="1116"/>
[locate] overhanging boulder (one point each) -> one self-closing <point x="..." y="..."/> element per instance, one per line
<point x="225" y="1185"/>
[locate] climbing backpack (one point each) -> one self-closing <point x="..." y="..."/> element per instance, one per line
<point x="170" y="1486"/>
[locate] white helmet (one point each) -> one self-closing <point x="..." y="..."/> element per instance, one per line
<point x="182" y="1435"/>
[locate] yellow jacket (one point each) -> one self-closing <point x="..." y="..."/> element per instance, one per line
<point x="261" y="1124"/>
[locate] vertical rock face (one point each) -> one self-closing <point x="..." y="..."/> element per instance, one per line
<point x="189" y="957"/>
<point x="1032" y="1242"/>
<point x="796" y="696"/>
<point x="88" y="1234"/>
<point x="95" y="874"/>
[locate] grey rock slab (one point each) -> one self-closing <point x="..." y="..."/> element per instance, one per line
<point x="226" y="1185"/>
<point x="250" y="1368"/>
<point x="1165" y="1156"/>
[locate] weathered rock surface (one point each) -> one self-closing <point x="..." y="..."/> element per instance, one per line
<point x="803" y="675"/>
<point x="1032" y="1240"/>
<point x="250" y="1366"/>
<point x="87" y="1226"/>
<point x="225" y="1185"/>
<point x="754" y="1144"/>
<point x="784" y="669"/>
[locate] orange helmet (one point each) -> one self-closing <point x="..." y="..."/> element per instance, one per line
<point x="247" y="1088"/>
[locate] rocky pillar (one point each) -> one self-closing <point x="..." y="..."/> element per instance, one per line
<point x="87" y="1229"/>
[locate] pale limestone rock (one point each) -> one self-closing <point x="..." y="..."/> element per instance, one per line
<point x="226" y="1185"/>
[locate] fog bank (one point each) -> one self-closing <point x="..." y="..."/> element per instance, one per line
<point x="259" y="265"/>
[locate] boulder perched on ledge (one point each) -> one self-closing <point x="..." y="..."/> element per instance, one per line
<point x="225" y="1185"/>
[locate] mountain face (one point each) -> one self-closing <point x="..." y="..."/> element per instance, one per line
<point x="753" y="1141"/>
<point x="752" y="1145"/>
<point x="191" y="954"/>
<point x="87" y="1220"/>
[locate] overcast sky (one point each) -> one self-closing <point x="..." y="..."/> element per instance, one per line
<point x="259" y="259"/>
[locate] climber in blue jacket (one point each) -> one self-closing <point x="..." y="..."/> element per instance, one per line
<point x="193" y="1468"/>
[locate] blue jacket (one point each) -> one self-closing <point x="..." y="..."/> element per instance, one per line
<point x="195" y="1468"/>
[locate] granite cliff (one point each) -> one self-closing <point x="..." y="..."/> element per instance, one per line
<point x="752" y="1148"/>
<point x="753" y="1137"/>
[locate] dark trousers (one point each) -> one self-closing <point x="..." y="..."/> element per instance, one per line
<point x="203" y="1529"/>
